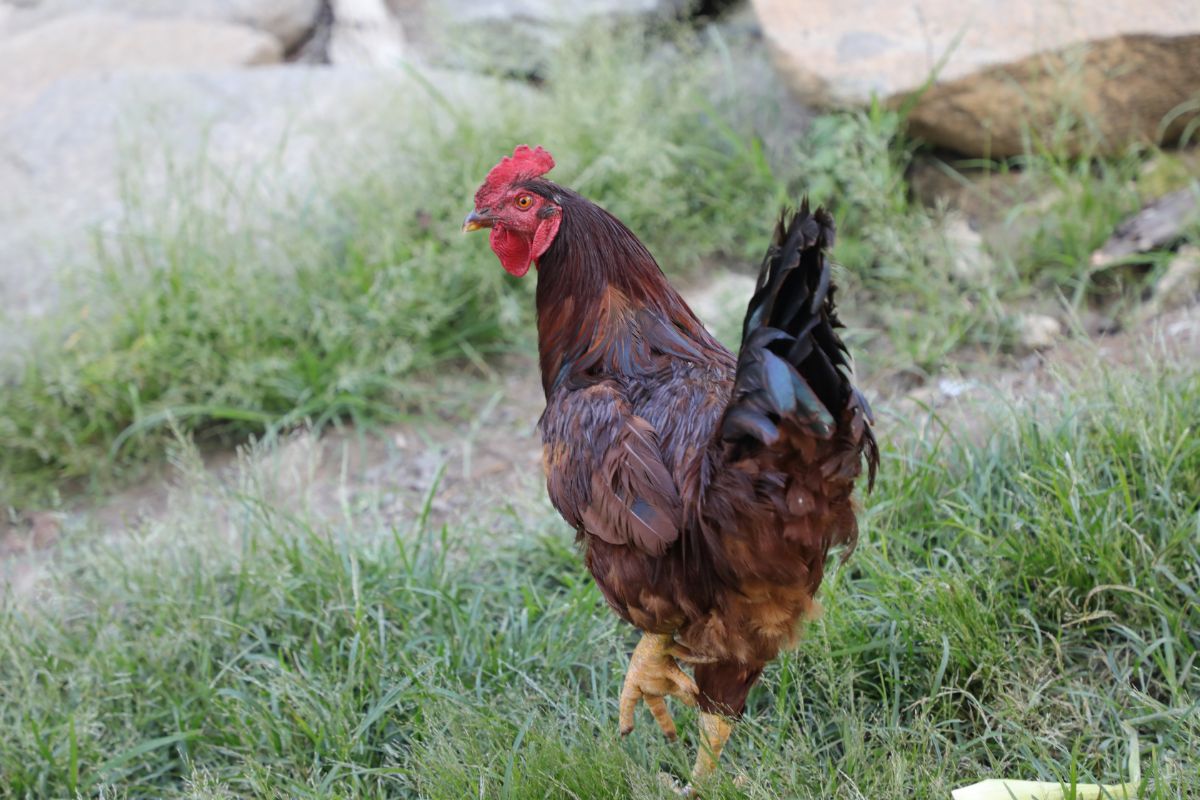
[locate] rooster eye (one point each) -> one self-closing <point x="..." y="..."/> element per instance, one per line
<point x="524" y="201"/>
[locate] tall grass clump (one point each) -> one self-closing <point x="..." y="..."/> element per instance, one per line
<point x="1013" y="607"/>
<point x="920" y="298"/>
<point x="1072" y="204"/>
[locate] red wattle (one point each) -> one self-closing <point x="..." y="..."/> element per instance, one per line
<point x="513" y="251"/>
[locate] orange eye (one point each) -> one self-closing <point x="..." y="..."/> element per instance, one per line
<point x="524" y="201"/>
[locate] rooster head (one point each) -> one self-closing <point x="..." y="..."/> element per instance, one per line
<point x="523" y="222"/>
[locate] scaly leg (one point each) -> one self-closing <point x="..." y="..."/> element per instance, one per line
<point x="714" y="732"/>
<point x="653" y="674"/>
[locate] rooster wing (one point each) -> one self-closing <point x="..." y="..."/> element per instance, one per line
<point x="604" y="470"/>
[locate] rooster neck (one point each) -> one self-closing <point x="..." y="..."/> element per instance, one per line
<point x="602" y="301"/>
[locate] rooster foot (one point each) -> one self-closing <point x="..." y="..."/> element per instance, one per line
<point x="672" y="785"/>
<point x="714" y="733"/>
<point x="689" y="790"/>
<point x="654" y="674"/>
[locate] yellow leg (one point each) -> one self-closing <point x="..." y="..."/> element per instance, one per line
<point x="652" y="675"/>
<point x="714" y="732"/>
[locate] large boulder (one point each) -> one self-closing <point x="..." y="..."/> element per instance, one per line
<point x="511" y="36"/>
<point x="65" y="156"/>
<point x="1111" y="71"/>
<point x="289" y="21"/>
<point x="85" y="44"/>
<point x="364" y="32"/>
<point x="89" y="151"/>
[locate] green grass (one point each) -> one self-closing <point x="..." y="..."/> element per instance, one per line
<point x="1013" y="603"/>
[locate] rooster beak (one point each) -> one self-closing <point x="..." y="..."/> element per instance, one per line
<point x="475" y="221"/>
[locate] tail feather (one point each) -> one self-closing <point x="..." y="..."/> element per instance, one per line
<point x="793" y="368"/>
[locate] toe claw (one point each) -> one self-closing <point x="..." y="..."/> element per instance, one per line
<point x="688" y="690"/>
<point x="662" y="715"/>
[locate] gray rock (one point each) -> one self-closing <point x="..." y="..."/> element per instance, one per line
<point x="1120" y="66"/>
<point x="289" y="21"/>
<point x="540" y="11"/>
<point x="1038" y="331"/>
<point x="509" y="36"/>
<point x="84" y="44"/>
<point x="364" y="32"/>
<point x="68" y="158"/>
<point x="1180" y="284"/>
<point x="971" y="262"/>
<point x="1159" y="224"/>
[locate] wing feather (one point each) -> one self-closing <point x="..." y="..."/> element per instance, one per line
<point x="612" y="483"/>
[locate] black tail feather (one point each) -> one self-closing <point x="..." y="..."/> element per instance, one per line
<point x="793" y="366"/>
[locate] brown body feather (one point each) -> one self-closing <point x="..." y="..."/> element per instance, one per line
<point x="706" y="490"/>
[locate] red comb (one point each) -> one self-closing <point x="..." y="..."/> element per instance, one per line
<point x="525" y="163"/>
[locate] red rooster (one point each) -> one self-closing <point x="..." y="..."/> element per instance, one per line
<point x="706" y="491"/>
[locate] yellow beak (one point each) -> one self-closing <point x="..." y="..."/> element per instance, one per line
<point x="475" y="221"/>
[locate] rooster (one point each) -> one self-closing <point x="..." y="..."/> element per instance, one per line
<point x="706" y="490"/>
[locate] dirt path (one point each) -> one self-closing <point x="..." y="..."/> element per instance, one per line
<point x="1173" y="338"/>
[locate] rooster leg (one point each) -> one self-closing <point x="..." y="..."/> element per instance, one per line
<point x="653" y="674"/>
<point x="714" y="732"/>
